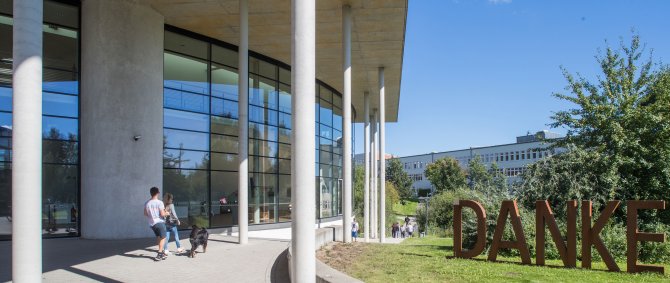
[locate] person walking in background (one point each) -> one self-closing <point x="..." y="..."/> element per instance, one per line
<point x="394" y="230"/>
<point x="354" y="229"/>
<point x="154" y="211"/>
<point x="410" y="230"/>
<point x="171" y="223"/>
<point x="406" y="220"/>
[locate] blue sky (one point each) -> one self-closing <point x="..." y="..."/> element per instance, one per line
<point x="481" y="72"/>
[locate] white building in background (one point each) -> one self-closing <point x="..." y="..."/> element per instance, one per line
<point x="510" y="158"/>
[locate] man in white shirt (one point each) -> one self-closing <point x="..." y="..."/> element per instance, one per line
<point x="154" y="210"/>
<point x="354" y="229"/>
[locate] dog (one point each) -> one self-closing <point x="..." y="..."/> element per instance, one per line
<point x="198" y="238"/>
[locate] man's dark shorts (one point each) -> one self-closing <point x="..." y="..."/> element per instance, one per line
<point x="159" y="230"/>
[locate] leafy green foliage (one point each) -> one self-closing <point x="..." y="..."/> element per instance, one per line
<point x="618" y="135"/>
<point x="400" y="179"/>
<point x="445" y="174"/>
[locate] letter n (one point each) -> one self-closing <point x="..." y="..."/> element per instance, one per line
<point x="510" y="208"/>
<point x="591" y="235"/>
<point x="633" y="236"/>
<point x="458" y="229"/>
<point x="545" y="217"/>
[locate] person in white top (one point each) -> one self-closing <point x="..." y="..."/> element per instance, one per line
<point x="154" y="211"/>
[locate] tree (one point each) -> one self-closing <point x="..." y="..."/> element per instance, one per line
<point x="445" y="174"/>
<point x="400" y="179"/>
<point x="478" y="176"/>
<point x="622" y="120"/>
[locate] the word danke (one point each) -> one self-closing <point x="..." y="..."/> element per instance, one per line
<point x="567" y="249"/>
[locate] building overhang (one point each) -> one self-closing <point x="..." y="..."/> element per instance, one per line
<point x="378" y="38"/>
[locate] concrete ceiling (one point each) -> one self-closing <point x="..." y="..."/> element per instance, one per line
<point x="378" y="38"/>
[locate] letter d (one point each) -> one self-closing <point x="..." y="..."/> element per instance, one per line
<point x="458" y="229"/>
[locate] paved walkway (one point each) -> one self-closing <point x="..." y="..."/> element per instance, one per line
<point x="77" y="260"/>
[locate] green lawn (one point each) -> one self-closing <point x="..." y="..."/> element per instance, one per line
<point x="430" y="260"/>
<point x="403" y="210"/>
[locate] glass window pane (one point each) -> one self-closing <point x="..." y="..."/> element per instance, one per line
<point x="5" y="98"/>
<point x="183" y="100"/>
<point x="262" y="148"/>
<point x="226" y="144"/>
<point x="225" y="56"/>
<point x="284" y="151"/>
<point x="226" y="126"/>
<point x="325" y="131"/>
<point x="60" y="81"/>
<point x="325" y="157"/>
<point x="224" y="161"/>
<point x="185" y="73"/>
<point x="284" y="120"/>
<point x="60" y="105"/>
<point x="325" y="113"/>
<point x="59" y="197"/>
<point x="262" y="164"/>
<point x="186" y="140"/>
<point x="262" y="68"/>
<point x="262" y="115"/>
<point x="325" y="94"/>
<point x="284" y="135"/>
<point x="224" y="198"/>
<point x="185" y="45"/>
<point x="284" y="98"/>
<point x="225" y="108"/>
<point x="189" y="188"/>
<point x="185" y="159"/>
<point x="337" y="100"/>
<point x="60" y="48"/>
<point x="61" y="152"/>
<point x="263" y="132"/>
<point x="325" y="145"/>
<point x="60" y="14"/>
<point x="337" y="159"/>
<point x="224" y="82"/>
<point x="337" y="119"/>
<point x="60" y="128"/>
<point x="262" y="92"/>
<point x="284" y="166"/>
<point x="5" y="150"/>
<point x="6" y="194"/>
<point x="185" y="120"/>
<point x="284" y="76"/>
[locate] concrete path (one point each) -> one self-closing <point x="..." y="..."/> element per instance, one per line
<point x="77" y="260"/>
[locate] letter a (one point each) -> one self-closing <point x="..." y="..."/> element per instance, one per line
<point x="510" y="208"/>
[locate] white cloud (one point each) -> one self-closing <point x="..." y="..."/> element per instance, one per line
<point x="496" y="2"/>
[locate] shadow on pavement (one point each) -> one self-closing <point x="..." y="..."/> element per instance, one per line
<point x="279" y="273"/>
<point x="65" y="253"/>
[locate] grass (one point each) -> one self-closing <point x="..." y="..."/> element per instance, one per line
<point x="403" y="210"/>
<point x="431" y="259"/>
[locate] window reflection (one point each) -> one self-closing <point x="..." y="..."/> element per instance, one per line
<point x="201" y="128"/>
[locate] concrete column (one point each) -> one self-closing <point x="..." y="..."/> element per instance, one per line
<point x="366" y="152"/>
<point x="122" y="97"/>
<point x="373" y="177"/>
<point x="346" y="107"/>
<point x="27" y="142"/>
<point x="303" y="73"/>
<point x="243" y="129"/>
<point x="382" y="158"/>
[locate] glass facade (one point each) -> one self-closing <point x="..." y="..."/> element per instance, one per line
<point x="60" y="122"/>
<point x="201" y="128"/>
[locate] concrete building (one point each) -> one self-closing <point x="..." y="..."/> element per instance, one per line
<point x="102" y="99"/>
<point x="511" y="159"/>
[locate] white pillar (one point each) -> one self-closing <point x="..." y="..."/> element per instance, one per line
<point x="27" y="142"/>
<point x="373" y="177"/>
<point x="346" y="107"/>
<point x="303" y="50"/>
<point x="243" y="129"/>
<point x="366" y="152"/>
<point x="382" y="159"/>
